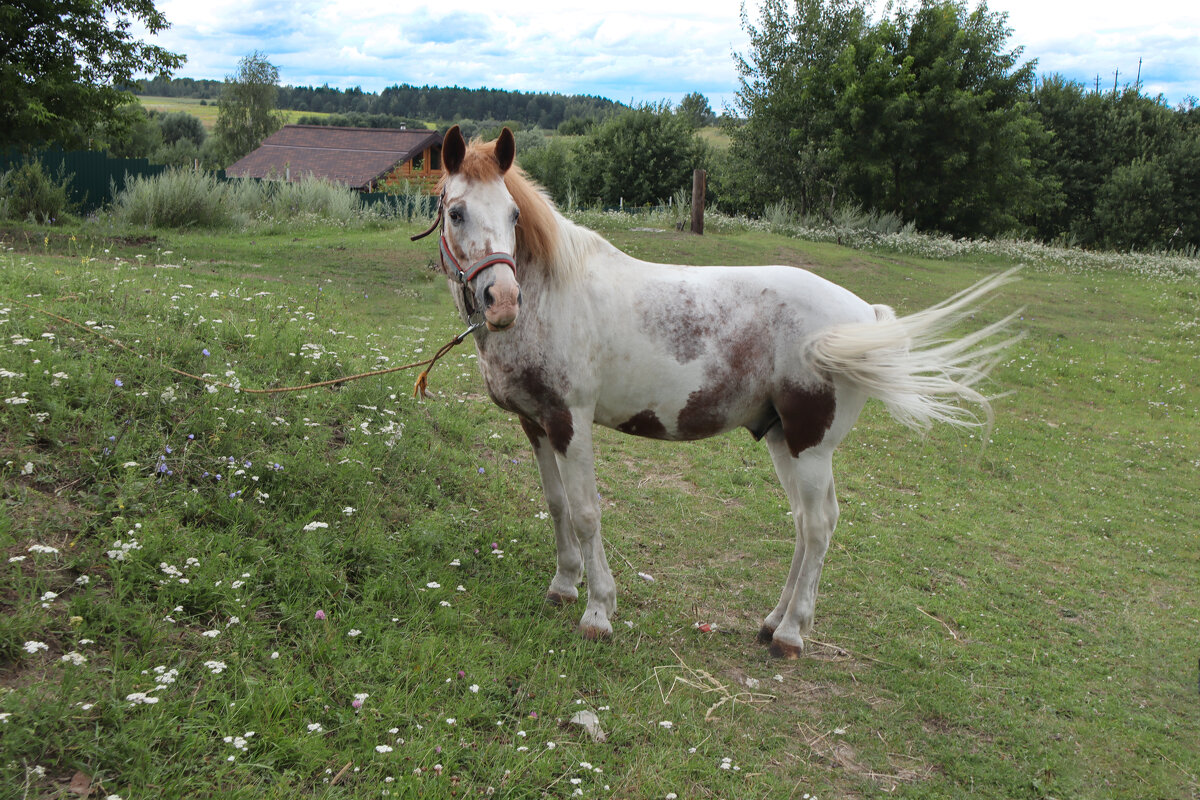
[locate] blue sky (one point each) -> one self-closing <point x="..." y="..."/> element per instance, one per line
<point x="626" y="50"/>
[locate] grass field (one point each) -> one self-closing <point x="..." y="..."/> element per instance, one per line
<point x="208" y="112"/>
<point x="338" y="593"/>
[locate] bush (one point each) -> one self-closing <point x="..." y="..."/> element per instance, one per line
<point x="181" y="198"/>
<point x="178" y="125"/>
<point x="28" y="193"/>
<point x="176" y="198"/>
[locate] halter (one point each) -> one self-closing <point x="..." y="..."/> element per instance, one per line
<point x="463" y="276"/>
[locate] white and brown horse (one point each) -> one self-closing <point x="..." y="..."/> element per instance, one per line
<point x="578" y="333"/>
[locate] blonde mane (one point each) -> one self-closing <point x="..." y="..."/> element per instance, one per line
<point x="546" y="241"/>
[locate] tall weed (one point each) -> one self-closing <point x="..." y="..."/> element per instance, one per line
<point x="177" y="198"/>
<point x="181" y="198"/>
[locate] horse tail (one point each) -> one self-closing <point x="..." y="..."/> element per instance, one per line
<point x="910" y="363"/>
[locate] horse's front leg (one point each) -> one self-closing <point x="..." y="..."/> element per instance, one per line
<point x="570" y="564"/>
<point x="577" y="468"/>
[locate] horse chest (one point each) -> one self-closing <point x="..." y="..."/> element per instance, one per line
<point x="535" y="390"/>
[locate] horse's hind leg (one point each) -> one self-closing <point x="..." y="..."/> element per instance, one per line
<point x="563" y="588"/>
<point x="808" y="481"/>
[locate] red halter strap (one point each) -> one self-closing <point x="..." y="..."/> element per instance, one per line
<point x="465" y="276"/>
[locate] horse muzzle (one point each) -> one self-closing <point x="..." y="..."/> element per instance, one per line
<point x="499" y="296"/>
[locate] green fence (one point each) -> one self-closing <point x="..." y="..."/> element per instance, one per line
<point x="94" y="177"/>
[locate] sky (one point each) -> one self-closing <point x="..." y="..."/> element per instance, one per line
<point x="631" y="51"/>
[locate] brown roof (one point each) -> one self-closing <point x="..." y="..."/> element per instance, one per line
<point x="353" y="156"/>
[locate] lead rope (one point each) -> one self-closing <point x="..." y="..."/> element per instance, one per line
<point x="420" y="389"/>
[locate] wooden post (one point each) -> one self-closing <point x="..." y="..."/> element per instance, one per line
<point x="698" y="187"/>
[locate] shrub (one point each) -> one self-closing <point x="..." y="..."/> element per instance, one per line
<point x="27" y="192"/>
<point x="181" y="198"/>
<point x="176" y="198"/>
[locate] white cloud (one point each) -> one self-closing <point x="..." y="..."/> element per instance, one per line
<point x="623" y="49"/>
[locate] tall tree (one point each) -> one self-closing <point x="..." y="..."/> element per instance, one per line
<point x="924" y="114"/>
<point x="247" y="112"/>
<point x="951" y="147"/>
<point x="64" y="65"/>
<point x="787" y="98"/>
<point x="695" y="109"/>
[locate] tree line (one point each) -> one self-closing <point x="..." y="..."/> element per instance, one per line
<point x="532" y="109"/>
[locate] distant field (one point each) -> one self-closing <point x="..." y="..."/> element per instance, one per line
<point x="207" y="113"/>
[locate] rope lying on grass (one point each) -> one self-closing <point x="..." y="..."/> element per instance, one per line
<point x="419" y="389"/>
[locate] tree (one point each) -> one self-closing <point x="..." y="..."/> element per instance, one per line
<point x="64" y="65"/>
<point x="247" y="112"/>
<point x="130" y="134"/>
<point x="695" y="109"/>
<point x="178" y="125"/>
<point x="949" y="143"/>
<point x="641" y="156"/>
<point x="924" y="114"/>
<point x="787" y="99"/>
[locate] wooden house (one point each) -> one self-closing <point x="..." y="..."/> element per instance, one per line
<point x="361" y="158"/>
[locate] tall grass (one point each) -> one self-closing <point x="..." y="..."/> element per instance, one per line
<point x="181" y="198"/>
<point x="785" y="220"/>
<point x="177" y="198"/>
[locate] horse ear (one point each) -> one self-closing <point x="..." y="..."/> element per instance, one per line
<point x="506" y="150"/>
<point x="454" y="148"/>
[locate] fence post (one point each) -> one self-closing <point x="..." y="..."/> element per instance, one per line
<point x="698" y="188"/>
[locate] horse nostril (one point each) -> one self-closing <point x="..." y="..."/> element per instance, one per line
<point x="487" y="297"/>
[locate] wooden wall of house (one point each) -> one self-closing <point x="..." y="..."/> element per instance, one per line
<point x="425" y="169"/>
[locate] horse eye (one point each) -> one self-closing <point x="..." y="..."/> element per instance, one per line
<point x="455" y="215"/>
<point x="516" y="215"/>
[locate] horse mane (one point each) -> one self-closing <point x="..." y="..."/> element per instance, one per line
<point x="546" y="241"/>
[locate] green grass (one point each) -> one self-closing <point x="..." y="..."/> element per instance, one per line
<point x="208" y="112"/>
<point x="1012" y="621"/>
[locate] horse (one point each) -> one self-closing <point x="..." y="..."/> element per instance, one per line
<point x="570" y="332"/>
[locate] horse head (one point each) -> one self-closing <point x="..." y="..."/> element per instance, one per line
<point x="479" y="234"/>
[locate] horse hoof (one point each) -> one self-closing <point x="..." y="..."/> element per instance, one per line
<point x="559" y="599"/>
<point x="593" y="634"/>
<point x="785" y="650"/>
<point x="765" y="634"/>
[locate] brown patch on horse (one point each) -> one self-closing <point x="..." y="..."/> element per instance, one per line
<point x="674" y="319"/>
<point x="805" y="412"/>
<point x="744" y="357"/>
<point x="554" y="418"/>
<point x="533" y="431"/>
<point x="765" y="634"/>
<point x="645" y="423"/>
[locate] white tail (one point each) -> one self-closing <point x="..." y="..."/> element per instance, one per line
<point x="921" y="376"/>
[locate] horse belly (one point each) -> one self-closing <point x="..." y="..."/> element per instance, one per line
<point x="685" y="404"/>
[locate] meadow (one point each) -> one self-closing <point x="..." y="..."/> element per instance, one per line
<point x="338" y="592"/>
<point x="207" y="113"/>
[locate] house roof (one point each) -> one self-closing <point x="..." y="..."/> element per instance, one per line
<point x="353" y="156"/>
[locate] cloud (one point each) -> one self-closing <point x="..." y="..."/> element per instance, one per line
<point x="627" y="50"/>
<point x="455" y="28"/>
